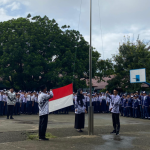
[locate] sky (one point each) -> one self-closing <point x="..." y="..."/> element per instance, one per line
<point x="111" y="19"/>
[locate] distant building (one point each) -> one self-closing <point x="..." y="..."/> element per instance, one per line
<point x="97" y="86"/>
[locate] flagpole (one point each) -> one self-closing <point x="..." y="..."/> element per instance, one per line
<point x="90" y="108"/>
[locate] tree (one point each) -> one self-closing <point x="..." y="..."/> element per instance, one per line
<point x="131" y="56"/>
<point x="104" y="69"/>
<point x="37" y="51"/>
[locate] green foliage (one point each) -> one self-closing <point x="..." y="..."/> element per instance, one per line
<point x="36" y="137"/>
<point x="103" y="91"/>
<point x="104" y="68"/>
<point x="35" y="51"/>
<point x="131" y="56"/>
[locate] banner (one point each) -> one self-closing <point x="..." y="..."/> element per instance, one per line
<point x="63" y="97"/>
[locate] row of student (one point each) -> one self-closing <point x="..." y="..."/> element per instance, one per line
<point x="136" y="106"/>
<point x="25" y="103"/>
<point x="100" y="102"/>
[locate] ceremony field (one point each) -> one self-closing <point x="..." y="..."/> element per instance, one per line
<point x="21" y="134"/>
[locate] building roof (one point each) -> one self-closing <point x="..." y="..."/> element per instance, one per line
<point x="99" y="85"/>
<point x="103" y="84"/>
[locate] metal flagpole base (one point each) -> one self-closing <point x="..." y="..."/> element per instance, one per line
<point x="90" y="120"/>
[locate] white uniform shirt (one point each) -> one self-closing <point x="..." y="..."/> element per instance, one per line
<point x="100" y="99"/>
<point x="32" y="98"/>
<point x="1" y="97"/>
<point x="17" y="100"/>
<point x="87" y="99"/>
<point x="107" y="99"/>
<point x="36" y="99"/>
<point x="103" y="97"/>
<point x="43" y="100"/>
<point x="24" y="100"/>
<point x="4" y="98"/>
<point x="28" y="98"/>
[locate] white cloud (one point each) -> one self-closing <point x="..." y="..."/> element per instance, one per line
<point x="2" y="11"/>
<point x="3" y="2"/>
<point x="14" y="6"/>
<point x="118" y="17"/>
<point x="4" y="16"/>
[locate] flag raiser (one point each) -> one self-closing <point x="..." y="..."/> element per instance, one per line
<point x="63" y="97"/>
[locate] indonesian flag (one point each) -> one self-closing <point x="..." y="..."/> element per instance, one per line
<point x="63" y="97"/>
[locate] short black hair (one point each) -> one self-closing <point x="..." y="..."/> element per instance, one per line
<point x="116" y="89"/>
<point x="42" y="87"/>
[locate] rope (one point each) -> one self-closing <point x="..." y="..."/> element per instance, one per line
<point x="77" y="42"/>
<point x="101" y="28"/>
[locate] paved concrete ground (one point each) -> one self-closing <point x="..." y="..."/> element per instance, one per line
<point x="134" y="134"/>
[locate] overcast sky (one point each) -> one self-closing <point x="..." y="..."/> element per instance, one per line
<point x="119" y="18"/>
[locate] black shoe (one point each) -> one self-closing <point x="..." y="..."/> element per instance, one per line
<point x="79" y="131"/>
<point x="113" y="132"/>
<point x="11" y="118"/>
<point x="44" y="139"/>
<point x="117" y="133"/>
<point x="7" y="118"/>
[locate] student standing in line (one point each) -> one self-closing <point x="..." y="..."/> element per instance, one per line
<point x="11" y="101"/>
<point x="80" y="110"/>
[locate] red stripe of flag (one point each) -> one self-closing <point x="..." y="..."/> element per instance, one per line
<point x="62" y="92"/>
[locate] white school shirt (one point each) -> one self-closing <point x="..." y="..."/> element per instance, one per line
<point x="1" y="97"/>
<point x="96" y="99"/>
<point x="73" y="98"/>
<point x="20" y="99"/>
<point x="87" y="99"/>
<point x="17" y="99"/>
<point x="107" y="99"/>
<point x="100" y="99"/>
<point x="104" y="97"/>
<point x="36" y="99"/>
<point x="24" y="100"/>
<point x="32" y="98"/>
<point x="21" y="96"/>
<point x="4" y="98"/>
<point x="28" y="98"/>
<point x="93" y="99"/>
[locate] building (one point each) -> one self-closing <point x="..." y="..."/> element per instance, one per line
<point x="97" y="86"/>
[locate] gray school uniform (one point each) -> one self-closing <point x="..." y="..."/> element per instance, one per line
<point x="11" y="98"/>
<point x="43" y="100"/>
<point x="114" y="103"/>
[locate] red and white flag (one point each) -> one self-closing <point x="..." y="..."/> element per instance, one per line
<point x="63" y="97"/>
